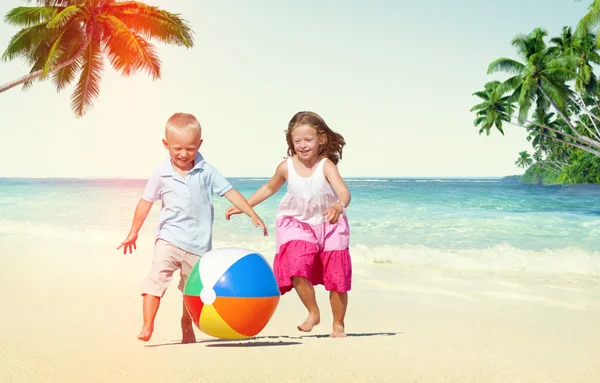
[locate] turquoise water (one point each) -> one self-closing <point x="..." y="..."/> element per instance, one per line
<point x="459" y="223"/>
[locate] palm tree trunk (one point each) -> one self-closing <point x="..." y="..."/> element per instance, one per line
<point x="597" y="133"/>
<point x="592" y="115"/>
<point x="587" y="141"/>
<point x="585" y="148"/>
<point x="582" y="106"/>
<point x="38" y="73"/>
<point x="551" y="101"/>
<point x="559" y="165"/>
<point x="555" y="171"/>
<point x="590" y="131"/>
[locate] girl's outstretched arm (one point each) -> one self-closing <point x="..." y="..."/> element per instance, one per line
<point x="268" y="189"/>
<point x="337" y="183"/>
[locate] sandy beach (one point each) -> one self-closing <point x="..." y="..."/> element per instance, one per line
<point x="70" y="311"/>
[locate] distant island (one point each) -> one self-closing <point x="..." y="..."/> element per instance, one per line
<point x="582" y="169"/>
<point x="516" y="179"/>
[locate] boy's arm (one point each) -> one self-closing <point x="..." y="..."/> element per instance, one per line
<point x="241" y="203"/>
<point x="139" y="217"/>
<point x="141" y="212"/>
<point x="238" y="200"/>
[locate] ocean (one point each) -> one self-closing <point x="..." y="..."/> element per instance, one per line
<point x="461" y="224"/>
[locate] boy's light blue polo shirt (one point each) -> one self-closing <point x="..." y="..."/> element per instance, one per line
<point x="187" y="214"/>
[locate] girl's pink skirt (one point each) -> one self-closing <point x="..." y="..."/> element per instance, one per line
<point x="317" y="252"/>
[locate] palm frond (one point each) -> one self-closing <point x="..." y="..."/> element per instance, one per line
<point x="65" y="76"/>
<point x="65" y="16"/>
<point x="520" y="43"/>
<point x="481" y="94"/>
<point x="479" y="120"/>
<point x="28" y="16"/>
<point x="506" y="65"/>
<point x="560" y="74"/>
<point x="56" y="3"/>
<point x="153" y="23"/>
<point x="526" y="98"/>
<point x="88" y="86"/>
<point x="509" y="84"/>
<point x="554" y="92"/>
<point x="570" y="61"/>
<point x="25" y="41"/>
<point x="588" y="22"/>
<point x="127" y="51"/>
<point x="498" y="125"/>
<point x="73" y="38"/>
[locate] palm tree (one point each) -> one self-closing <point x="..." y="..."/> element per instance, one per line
<point x="494" y="109"/>
<point x="542" y="80"/>
<point x="524" y="160"/>
<point x="67" y="37"/>
<point x="541" y="138"/>
<point x="497" y="109"/>
<point x="542" y="74"/>
<point x="590" y="21"/>
<point x="563" y="44"/>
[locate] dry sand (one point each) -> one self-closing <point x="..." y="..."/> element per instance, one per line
<point x="70" y="311"/>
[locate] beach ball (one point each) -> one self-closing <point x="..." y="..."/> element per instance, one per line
<point x="231" y="293"/>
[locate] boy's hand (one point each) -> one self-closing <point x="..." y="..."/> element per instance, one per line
<point x="128" y="243"/>
<point x="232" y="211"/>
<point x="259" y="222"/>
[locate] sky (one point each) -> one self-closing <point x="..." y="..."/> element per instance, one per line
<point x="394" y="77"/>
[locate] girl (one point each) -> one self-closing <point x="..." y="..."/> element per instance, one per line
<point x="312" y="229"/>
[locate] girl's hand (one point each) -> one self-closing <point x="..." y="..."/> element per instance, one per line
<point x="333" y="213"/>
<point x="232" y="211"/>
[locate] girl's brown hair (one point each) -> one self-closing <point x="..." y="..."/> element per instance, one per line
<point x="334" y="143"/>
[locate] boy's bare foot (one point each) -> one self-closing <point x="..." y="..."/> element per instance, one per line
<point x="310" y="322"/>
<point x="338" y="332"/>
<point x="187" y="334"/>
<point x="145" y="334"/>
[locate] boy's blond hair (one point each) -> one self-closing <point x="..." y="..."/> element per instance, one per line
<point x="180" y="122"/>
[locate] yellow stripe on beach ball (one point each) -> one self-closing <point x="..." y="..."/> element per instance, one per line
<point x="212" y="324"/>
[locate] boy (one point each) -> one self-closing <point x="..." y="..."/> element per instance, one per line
<point x="185" y="184"/>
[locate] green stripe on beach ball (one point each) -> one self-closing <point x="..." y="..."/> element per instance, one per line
<point x="193" y="285"/>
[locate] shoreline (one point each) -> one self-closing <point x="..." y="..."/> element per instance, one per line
<point x="250" y="178"/>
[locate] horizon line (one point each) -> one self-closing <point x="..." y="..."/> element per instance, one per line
<point x="261" y="177"/>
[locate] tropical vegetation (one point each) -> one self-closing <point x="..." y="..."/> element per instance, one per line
<point x="67" y="40"/>
<point x="553" y="93"/>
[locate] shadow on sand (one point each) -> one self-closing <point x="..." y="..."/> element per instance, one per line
<point x="268" y="340"/>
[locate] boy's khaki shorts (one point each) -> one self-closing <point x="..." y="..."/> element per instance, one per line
<point x="167" y="259"/>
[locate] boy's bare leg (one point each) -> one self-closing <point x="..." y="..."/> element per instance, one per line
<point x="150" y="307"/>
<point x="187" y="328"/>
<point x="306" y="292"/>
<point x="339" y="303"/>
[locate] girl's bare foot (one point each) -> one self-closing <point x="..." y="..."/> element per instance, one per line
<point x="145" y="334"/>
<point x="338" y="332"/>
<point x="310" y="322"/>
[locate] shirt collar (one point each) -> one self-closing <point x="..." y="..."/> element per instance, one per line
<point x="166" y="168"/>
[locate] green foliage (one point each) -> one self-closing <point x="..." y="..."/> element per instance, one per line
<point x="584" y="169"/>
<point x="539" y="175"/>
<point x="553" y="93"/>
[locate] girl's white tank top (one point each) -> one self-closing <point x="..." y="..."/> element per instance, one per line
<point x="307" y="198"/>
